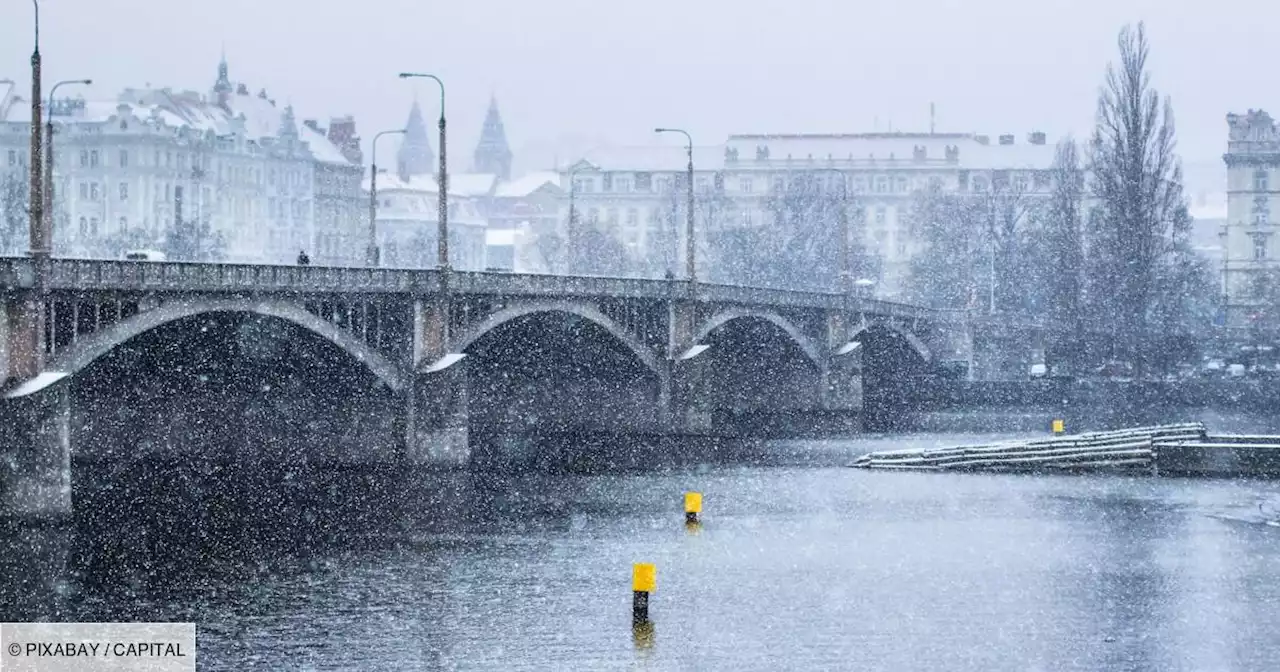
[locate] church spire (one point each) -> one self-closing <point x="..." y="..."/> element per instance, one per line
<point x="222" y="87"/>
<point x="415" y="156"/>
<point x="492" y="153"/>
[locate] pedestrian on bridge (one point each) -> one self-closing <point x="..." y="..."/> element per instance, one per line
<point x="303" y="259"/>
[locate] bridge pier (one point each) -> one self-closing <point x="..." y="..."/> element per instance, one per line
<point x="35" y="449"/>
<point x="20" y="325"/>
<point x="436" y="414"/>
<point x="437" y="432"/>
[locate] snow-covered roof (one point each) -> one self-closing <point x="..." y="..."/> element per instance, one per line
<point x="255" y="117"/>
<point x="466" y="185"/>
<point x="527" y="184"/>
<point x="654" y="158"/>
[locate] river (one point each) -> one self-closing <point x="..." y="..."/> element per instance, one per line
<point x="800" y="564"/>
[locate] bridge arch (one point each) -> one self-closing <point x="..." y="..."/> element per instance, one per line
<point x="75" y="358"/>
<point x="585" y="311"/>
<point x="913" y="340"/>
<point x="803" y="342"/>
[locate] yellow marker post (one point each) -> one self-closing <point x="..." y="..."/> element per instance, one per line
<point x="692" y="506"/>
<point x="644" y="578"/>
<point x="1059" y="426"/>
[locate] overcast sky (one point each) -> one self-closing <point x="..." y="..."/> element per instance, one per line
<point x="577" y="72"/>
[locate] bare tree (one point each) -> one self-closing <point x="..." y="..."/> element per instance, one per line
<point x="945" y="272"/>
<point x="14" y="216"/>
<point x="1005" y="210"/>
<point x="1136" y="178"/>
<point x="1062" y="255"/>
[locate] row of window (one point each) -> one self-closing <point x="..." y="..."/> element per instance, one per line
<point x="886" y="184"/>
<point x="199" y="165"/>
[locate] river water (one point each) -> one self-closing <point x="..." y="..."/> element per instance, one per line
<point x="801" y="563"/>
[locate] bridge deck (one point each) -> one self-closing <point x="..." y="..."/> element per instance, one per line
<point x="152" y="276"/>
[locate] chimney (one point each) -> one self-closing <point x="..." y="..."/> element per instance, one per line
<point x="342" y="133"/>
<point x="313" y="125"/>
<point x="1036" y="138"/>
<point x="1006" y="139"/>
<point x="982" y="139"/>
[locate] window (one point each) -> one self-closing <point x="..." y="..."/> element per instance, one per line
<point x="1259" y="219"/>
<point x="84" y="191"/>
<point x="13" y="158"/>
<point x="93" y="159"/>
<point x="1260" y="180"/>
<point x="1259" y="247"/>
<point x="124" y="223"/>
<point x="979" y="183"/>
<point x="633" y="218"/>
<point x="644" y="182"/>
<point x="93" y="191"/>
<point x="902" y="185"/>
<point x="93" y="226"/>
<point x="84" y="226"/>
<point x="124" y="158"/>
<point x="882" y="184"/>
<point x="624" y="185"/>
<point x="745" y="185"/>
<point x="607" y="183"/>
<point x="124" y="191"/>
<point x="704" y="184"/>
<point x="880" y="215"/>
<point x="84" y="158"/>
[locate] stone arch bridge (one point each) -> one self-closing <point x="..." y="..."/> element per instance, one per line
<point x="634" y="355"/>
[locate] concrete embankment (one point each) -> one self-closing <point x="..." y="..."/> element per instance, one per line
<point x="1174" y="450"/>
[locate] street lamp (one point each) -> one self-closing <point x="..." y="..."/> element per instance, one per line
<point x="442" y="243"/>
<point x="48" y="157"/>
<point x="693" y="278"/>
<point x="39" y="246"/>
<point x="371" y="253"/>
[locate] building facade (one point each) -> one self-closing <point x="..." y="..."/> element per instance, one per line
<point x="638" y="194"/>
<point x="1250" y="250"/>
<point x="226" y="175"/>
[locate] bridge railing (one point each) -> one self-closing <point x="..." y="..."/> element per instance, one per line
<point x="105" y="274"/>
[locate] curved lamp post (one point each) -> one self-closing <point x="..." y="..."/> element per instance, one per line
<point x="371" y="253"/>
<point x="442" y="243"/>
<point x="690" y="248"/>
<point x="48" y="156"/>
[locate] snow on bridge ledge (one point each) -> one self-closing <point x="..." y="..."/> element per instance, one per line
<point x="35" y="384"/>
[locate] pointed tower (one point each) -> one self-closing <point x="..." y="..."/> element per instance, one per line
<point x="492" y="153"/>
<point x="222" y="87"/>
<point x="288" y="126"/>
<point x="415" y="156"/>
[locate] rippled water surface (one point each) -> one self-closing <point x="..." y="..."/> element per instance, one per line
<point x="802" y="564"/>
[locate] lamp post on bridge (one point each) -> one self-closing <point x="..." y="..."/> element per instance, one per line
<point x="48" y="157"/>
<point x="689" y="241"/>
<point x="442" y="244"/>
<point x="371" y="253"/>
<point x="39" y="245"/>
